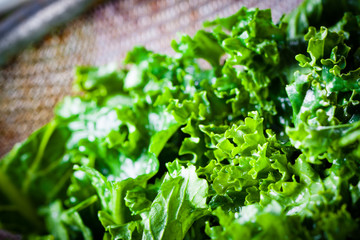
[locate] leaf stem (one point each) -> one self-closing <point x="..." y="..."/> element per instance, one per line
<point x="39" y="155"/>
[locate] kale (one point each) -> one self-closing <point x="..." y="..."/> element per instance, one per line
<point x="263" y="144"/>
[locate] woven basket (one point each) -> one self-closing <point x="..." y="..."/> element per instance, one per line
<point x="42" y="75"/>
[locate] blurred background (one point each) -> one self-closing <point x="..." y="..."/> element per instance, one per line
<point x="41" y="41"/>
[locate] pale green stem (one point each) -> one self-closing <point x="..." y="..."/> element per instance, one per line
<point x="39" y="155"/>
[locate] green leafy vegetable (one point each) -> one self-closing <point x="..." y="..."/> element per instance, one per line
<point x="263" y="144"/>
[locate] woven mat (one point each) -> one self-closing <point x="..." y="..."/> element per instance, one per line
<point x="43" y="74"/>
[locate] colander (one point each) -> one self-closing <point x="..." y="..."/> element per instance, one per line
<point x="42" y="74"/>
